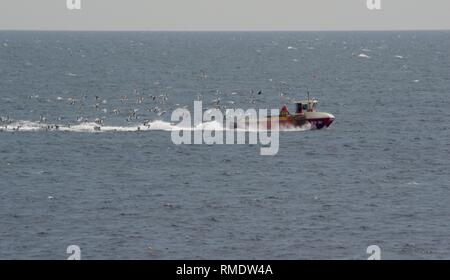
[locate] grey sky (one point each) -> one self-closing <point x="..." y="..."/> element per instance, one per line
<point x="224" y="15"/>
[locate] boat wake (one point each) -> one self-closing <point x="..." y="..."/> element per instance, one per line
<point x="157" y="125"/>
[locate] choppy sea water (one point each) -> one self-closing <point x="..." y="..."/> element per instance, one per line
<point x="379" y="175"/>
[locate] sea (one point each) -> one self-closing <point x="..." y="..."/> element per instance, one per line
<point x="87" y="157"/>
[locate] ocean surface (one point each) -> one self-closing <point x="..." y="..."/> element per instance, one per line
<point x="379" y="175"/>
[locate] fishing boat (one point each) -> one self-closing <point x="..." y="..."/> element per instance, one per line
<point x="305" y="113"/>
<point x="307" y="109"/>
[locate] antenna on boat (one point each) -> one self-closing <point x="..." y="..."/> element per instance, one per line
<point x="307" y="93"/>
<point x="309" y="102"/>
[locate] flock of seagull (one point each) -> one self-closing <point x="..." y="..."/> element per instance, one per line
<point x="159" y="103"/>
<point x="155" y="104"/>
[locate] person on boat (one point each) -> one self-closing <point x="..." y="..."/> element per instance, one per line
<point x="284" y="111"/>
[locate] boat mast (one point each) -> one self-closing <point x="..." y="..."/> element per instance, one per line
<point x="309" y="102"/>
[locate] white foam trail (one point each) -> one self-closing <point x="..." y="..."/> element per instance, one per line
<point x="161" y="125"/>
<point x="212" y="125"/>
<point x="305" y="127"/>
<point x="157" y="125"/>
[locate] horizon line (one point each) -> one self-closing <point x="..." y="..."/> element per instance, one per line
<point x="226" y="31"/>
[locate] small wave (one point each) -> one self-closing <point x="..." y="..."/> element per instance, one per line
<point x="363" y="55"/>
